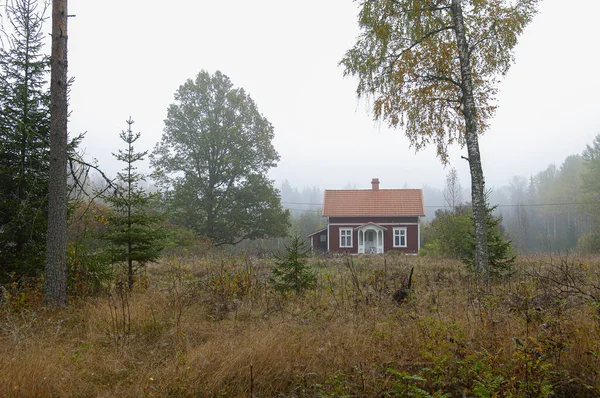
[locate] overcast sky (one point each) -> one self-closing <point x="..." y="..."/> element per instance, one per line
<point x="129" y="57"/>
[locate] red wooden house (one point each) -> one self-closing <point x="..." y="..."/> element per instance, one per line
<point x="370" y="221"/>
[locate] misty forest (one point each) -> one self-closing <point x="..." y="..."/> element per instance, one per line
<point x="192" y="272"/>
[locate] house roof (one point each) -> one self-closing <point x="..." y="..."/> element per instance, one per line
<point x="317" y="232"/>
<point x="373" y="203"/>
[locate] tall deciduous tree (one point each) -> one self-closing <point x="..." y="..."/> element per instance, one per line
<point x="213" y="157"/>
<point x="432" y="67"/>
<point x="134" y="234"/>
<point x="24" y="132"/>
<point x="55" y="281"/>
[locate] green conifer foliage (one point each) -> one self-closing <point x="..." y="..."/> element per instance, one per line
<point x="24" y="134"/>
<point x="452" y="235"/>
<point x="501" y="253"/>
<point x="291" y="272"/>
<point x="134" y="234"/>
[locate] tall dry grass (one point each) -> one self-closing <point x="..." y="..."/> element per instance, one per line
<point x="214" y="327"/>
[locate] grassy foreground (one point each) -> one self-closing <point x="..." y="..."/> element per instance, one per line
<point x="214" y="327"/>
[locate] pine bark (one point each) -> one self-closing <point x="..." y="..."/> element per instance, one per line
<point x="470" y="114"/>
<point x="55" y="282"/>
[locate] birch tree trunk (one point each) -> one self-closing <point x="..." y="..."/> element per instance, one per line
<point x="55" y="282"/>
<point x="470" y="114"/>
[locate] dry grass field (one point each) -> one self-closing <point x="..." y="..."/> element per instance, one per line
<point x="213" y="326"/>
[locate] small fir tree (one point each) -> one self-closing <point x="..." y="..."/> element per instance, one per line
<point x="133" y="233"/>
<point x="291" y="273"/>
<point x="501" y="253"/>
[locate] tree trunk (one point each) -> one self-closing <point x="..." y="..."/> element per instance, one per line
<point x="130" y="280"/>
<point x="470" y="113"/>
<point x="55" y="283"/>
<point x="129" y="221"/>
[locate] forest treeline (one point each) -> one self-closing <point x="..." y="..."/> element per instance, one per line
<point x="554" y="210"/>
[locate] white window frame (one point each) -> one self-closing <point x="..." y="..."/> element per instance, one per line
<point x="347" y="234"/>
<point x="398" y="234"/>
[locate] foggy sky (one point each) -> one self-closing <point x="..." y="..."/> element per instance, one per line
<point x="129" y="57"/>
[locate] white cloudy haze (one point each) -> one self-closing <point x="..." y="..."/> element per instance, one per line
<point x="129" y="57"/>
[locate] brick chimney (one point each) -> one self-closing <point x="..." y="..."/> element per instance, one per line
<point x="375" y="184"/>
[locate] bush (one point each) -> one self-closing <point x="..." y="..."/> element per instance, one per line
<point x="433" y="248"/>
<point x="88" y="266"/>
<point x="88" y="271"/>
<point x="447" y="235"/>
<point x="182" y="240"/>
<point x="452" y="235"/>
<point x="589" y="243"/>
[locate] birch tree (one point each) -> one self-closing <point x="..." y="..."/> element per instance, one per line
<point x="432" y="68"/>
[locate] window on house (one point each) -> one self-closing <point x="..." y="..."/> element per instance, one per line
<point x="323" y="238"/>
<point x="399" y="237"/>
<point x="345" y="237"/>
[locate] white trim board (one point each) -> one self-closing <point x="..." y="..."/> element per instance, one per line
<point x="382" y="223"/>
<point x="328" y="234"/>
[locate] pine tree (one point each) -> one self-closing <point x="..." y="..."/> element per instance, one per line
<point x="24" y="134"/>
<point x="55" y="273"/>
<point x="133" y="233"/>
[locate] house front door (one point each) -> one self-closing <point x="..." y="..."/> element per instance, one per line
<point x="370" y="246"/>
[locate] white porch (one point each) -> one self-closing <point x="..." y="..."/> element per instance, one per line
<point x="370" y="238"/>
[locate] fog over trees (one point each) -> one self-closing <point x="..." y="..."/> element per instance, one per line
<point x="553" y="210"/>
<point x="189" y="255"/>
<point x="210" y="171"/>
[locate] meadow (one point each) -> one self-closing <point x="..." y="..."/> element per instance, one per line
<point x="213" y="326"/>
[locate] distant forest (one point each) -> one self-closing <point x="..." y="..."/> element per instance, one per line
<point x="545" y="212"/>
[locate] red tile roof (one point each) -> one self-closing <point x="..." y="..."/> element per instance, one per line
<point x="373" y="203"/>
